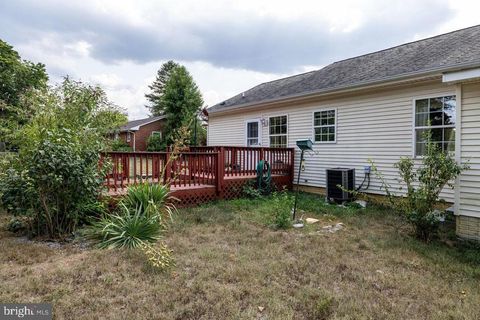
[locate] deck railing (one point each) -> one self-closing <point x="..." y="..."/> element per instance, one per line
<point x="199" y="166"/>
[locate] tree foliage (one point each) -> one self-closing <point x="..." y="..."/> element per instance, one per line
<point x="55" y="179"/>
<point x="17" y="78"/>
<point x="182" y="100"/>
<point x="156" y="105"/>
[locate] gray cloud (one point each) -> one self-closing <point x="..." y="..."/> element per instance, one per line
<point x="255" y="43"/>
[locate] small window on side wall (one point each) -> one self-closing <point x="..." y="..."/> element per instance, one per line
<point x="157" y="134"/>
<point x="129" y="136"/>
<point x="325" y="126"/>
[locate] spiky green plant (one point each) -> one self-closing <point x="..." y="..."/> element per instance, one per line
<point x="128" y="228"/>
<point x="152" y="196"/>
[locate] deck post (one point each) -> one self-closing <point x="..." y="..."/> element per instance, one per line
<point x="262" y="154"/>
<point x="220" y="172"/>
<point x="168" y="168"/>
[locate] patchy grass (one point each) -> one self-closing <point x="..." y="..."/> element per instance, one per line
<point x="230" y="265"/>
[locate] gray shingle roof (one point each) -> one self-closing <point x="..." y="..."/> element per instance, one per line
<point x="439" y="53"/>
<point x="132" y="125"/>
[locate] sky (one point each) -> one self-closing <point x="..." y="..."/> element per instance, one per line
<point x="228" y="46"/>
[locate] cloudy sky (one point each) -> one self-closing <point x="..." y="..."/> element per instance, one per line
<point x="228" y="46"/>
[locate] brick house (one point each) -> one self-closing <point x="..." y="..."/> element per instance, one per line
<point x="135" y="133"/>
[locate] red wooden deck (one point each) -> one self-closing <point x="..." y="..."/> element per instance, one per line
<point x="201" y="174"/>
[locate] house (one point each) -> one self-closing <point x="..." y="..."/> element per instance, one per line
<point x="136" y="133"/>
<point x="373" y="106"/>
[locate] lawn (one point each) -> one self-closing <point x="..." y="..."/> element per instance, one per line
<point x="231" y="265"/>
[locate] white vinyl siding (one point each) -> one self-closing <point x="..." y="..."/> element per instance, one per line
<point x="377" y="126"/>
<point x="469" y="190"/>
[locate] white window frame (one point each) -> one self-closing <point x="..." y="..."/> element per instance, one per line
<point x="335" y="126"/>
<point x="129" y="136"/>
<point x="277" y="135"/>
<point x="157" y="132"/>
<point x="259" y="130"/>
<point x="414" y="127"/>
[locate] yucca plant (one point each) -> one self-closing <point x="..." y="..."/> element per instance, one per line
<point x="128" y="228"/>
<point x="154" y="197"/>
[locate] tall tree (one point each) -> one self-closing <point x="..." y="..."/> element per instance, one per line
<point x="157" y="88"/>
<point x="182" y="100"/>
<point x="17" y="79"/>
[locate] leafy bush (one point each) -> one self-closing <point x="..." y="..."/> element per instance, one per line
<point x="56" y="178"/>
<point x="120" y="145"/>
<point x="250" y="190"/>
<point x="156" y="143"/>
<point x="423" y="186"/>
<point x="282" y="204"/>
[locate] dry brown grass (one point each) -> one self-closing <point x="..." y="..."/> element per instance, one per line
<point x="229" y="264"/>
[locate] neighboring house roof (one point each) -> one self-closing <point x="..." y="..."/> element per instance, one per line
<point x="136" y="124"/>
<point x="450" y="51"/>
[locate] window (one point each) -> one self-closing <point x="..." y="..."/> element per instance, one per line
<point x="129" y="137"/>
<point x="253" y="133"/>
<point x="438" y="115"/>
<point x="157" y="133"/>
<point x="324" y="126"/>
<point x="278" y="131"/>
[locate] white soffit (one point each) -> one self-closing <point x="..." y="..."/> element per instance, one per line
<point x="461" y="75"/>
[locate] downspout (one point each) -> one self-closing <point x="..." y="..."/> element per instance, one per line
<point x="133" y="140"/>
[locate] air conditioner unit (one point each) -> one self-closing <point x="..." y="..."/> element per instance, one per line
<point x="344" y="177"/>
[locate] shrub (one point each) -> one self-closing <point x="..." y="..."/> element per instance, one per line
<point x="120" y="145"/>
<point x="56" y="178"/>
<point x="156" y="143"/>
<point x="423" y="186"/>
<point x="282" y="204"/>
<point x="250" y="190"/>
<point x="127" y="228"/>
<point x="154" y="195"/>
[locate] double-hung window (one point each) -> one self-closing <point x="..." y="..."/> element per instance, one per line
<point x="437" y="115"/>
<point x="278" y="131"/>
<point x="324" y="126"/>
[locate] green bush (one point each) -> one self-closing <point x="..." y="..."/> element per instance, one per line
<point x="156" y="143"/>
<point x="146" y="194"/>
<point x="423" y="186"/>
<point x="120" y="145"/>
<point x="282" y="204"/>
<point x="56" y="179"/>
<point x="127" y="228"/>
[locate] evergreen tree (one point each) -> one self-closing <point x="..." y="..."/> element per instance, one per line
<point x="182" y="100"/>
<point x="157" y="88"/>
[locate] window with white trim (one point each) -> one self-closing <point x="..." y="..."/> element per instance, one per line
<point x="157" y="133"/>
<point x="437" y="115"/>
<point x="324" y="126"/>
<point x="129" y="136"/>
<point x="278" y="131"/>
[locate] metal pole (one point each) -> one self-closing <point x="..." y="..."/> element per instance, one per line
<point x="298" y="183"/>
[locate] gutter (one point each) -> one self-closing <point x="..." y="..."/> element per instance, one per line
<point x="434" y="72"/>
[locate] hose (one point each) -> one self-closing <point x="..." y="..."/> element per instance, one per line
<point x="264" y="179"/>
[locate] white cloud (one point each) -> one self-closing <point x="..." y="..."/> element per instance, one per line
<point x="228" y="46"/>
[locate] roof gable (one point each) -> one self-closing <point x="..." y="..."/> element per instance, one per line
<point x="134" y="125"/>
